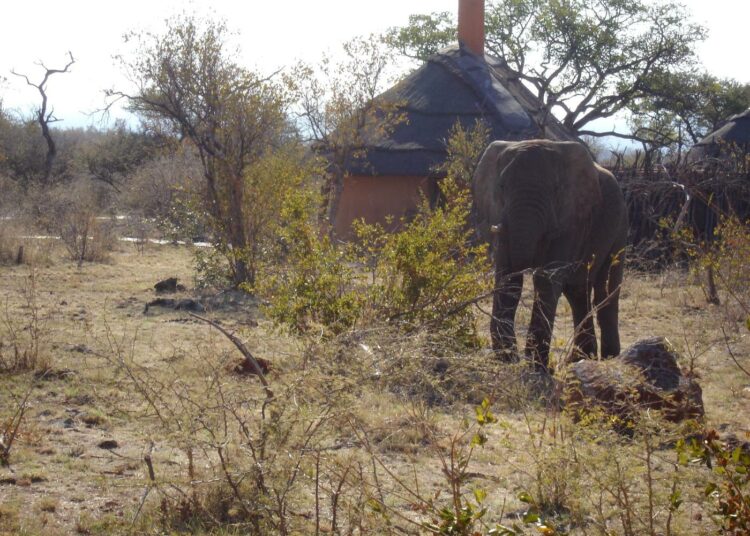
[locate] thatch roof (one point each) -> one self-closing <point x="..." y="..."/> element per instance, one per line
<point x="735" y="130"/>
<point x="453" y="85"/>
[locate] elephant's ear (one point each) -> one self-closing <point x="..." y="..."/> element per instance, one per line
<point x="484" y="183"/>
<point x="578" y="192"/>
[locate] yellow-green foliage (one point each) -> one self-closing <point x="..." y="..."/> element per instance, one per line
<point x="725" y="259"/>
<point x="315" y="284"/>
<point x="730" y="489"/>
<point x="269" y="181"/>
<point x="427" y="274"/>
<point x="424" y="276"/>
<point x="731" y="257"/>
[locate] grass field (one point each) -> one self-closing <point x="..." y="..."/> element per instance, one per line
<point x="367" y="433"/>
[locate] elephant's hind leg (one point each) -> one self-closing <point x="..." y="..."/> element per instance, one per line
<point x="504" y="303"/>
<point x="584" y="338"/>
<point x="607" y="300"/>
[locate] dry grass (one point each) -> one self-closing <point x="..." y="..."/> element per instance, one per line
<point x="389" y="413"/>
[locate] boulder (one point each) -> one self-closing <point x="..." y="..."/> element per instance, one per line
<point x="185" y="304"/>
<point x="245" y="367"/>
<point x="646" y="376"/>
<point x="168" y="285"/>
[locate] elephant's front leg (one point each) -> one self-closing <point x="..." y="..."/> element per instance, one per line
<point x="546" y="294"/>
<point x="504" y="304"/>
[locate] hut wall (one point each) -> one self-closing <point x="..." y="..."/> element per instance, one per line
<point x="376" y="198"/>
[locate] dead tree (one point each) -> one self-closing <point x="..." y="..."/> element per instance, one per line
<point x="46" y="118"/>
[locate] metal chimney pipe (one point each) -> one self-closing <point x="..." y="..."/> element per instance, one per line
<point x="471" y="25"/>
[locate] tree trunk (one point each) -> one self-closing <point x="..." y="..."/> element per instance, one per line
<point x="51" y="147"/>
<point x="335" y="189"/>
<point x="712" y="292"/>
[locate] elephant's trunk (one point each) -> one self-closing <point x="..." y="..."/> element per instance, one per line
<point x="523" y="245"/>
<point x="523" y="230"/>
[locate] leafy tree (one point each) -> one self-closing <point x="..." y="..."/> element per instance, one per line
<point x="22" y="150"/>
<point x="340" y="110"/>
<point x="423" y="36"/>
<point x="189" y="85"/>
<point x="584" y="59"/>
<point x="113" y="155"/>
<point x="685" y="107"/>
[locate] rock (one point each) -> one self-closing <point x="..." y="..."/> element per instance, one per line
<point x="54" y="374"/>
<point x="732" y="442"/>
<point x="108" y="444"/>
<point x="245" y="368"/>
<point x="645" y="376"/>
<point x="66" y="423"/>
<point x="168" y="285"/>
<point x="185" y="304"/>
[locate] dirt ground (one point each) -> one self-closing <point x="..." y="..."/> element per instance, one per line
<point x="77" y="464"/>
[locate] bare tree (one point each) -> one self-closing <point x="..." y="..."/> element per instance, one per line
<point x="44" y="116"/>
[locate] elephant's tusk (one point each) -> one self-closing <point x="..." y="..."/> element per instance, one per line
<point x="496" y="229"/>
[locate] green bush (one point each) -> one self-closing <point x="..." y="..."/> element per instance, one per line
<point x="316" y="283"/>
<point x="730" y="488"/>
<point x="427" y="274"/>
<point x="424" y="277"/>
<point x="724" y="260"/>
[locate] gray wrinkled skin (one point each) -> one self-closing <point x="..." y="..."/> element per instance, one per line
<point x="548" y="207"/>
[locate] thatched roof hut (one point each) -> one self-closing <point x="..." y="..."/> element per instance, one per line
<point x="458" y="84"/>
<point x="453" y="86"/>
<point x="733" y="134"/>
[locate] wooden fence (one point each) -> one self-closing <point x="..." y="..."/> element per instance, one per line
<point x="664" y="198"/>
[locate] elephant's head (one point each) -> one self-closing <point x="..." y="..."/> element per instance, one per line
<point x="531" y="193"/>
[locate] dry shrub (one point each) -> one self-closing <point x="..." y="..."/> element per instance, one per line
<point x="12" y="246"/>
<point x="22" y="337"/>
<point x="420" y="367"/>
<point x="11" y="198"/>
<point x="164" y="191"/>
<point x="85" y="237"/>
<point x="247" y="452"/>
<point x="20" y="244"/>
<point x="585" y="477"/>
<point x="73" y="212"/>
<point x="11" y="235"/>
<point x="729" y="259"/>
<point x="11" y="418"/>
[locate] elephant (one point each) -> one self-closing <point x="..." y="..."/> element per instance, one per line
<point x="547" y="206"/>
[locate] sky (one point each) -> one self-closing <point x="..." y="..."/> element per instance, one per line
<point x="271" y="35"/>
